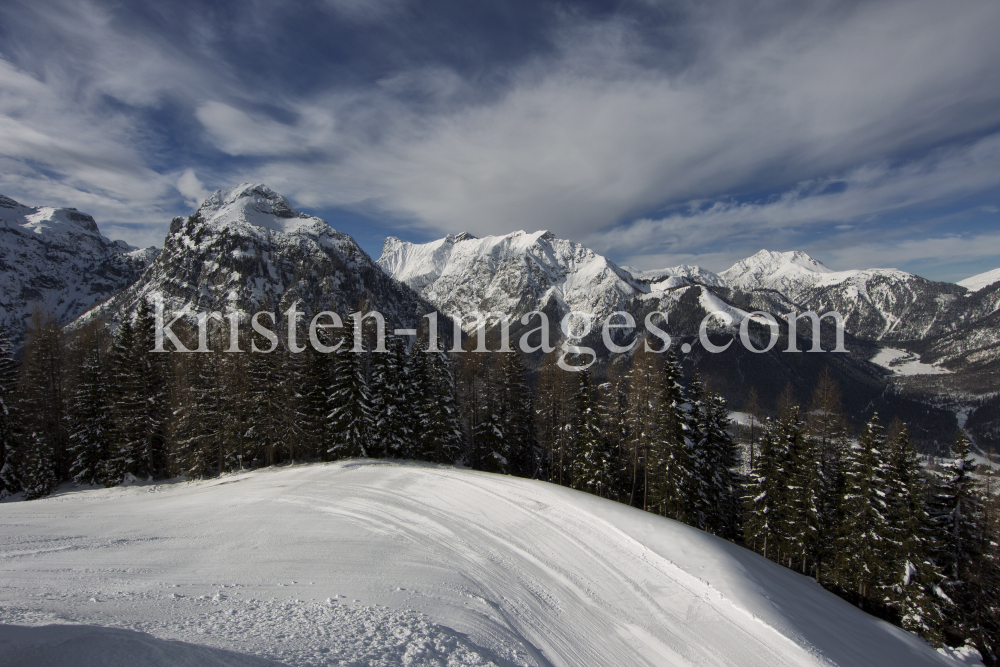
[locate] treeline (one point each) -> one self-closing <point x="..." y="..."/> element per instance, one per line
<point x="914" y="544"/>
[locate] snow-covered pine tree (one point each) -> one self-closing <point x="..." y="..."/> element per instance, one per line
<point x="489" y="444"/>
<point x="913" y="582"/>
<point x="199" y="417"/>
<point x="152" y="384"/>
<point x="863" y="547"/>
<point x="93" y="431"/>
<point x="38" y="477"/>
<point x="9" y="482"/>
<point x="764" y="493"/>
<point x="827" y="429"/>
<point x="614" y="417"/>
<point x="273" y="428"/>
<point x="644" y="381"/>
<point x="968" y="550"/>
<point x="388" y="383"/>
<point x="127" y="453"/>
<point x="440" y="426"/>
<point x="801" y="515"/>
<point x="350" y="417"/>
<point x="518" y="415"/>
<point x="674" y="482"/>
<point x="553" y="417"/>
<point x="718" y="456"/>
<point x="592" y="465"/>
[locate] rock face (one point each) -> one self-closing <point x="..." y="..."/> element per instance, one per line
<point x="247" y="249"/>
<point x="58" y="260"/>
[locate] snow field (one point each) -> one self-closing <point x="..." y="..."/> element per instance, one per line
<point x="380" y="563"/>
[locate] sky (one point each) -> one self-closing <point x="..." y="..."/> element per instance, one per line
<point x="657" y="133"/>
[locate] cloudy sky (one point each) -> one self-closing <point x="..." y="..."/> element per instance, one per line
<point x="658" y="133"/>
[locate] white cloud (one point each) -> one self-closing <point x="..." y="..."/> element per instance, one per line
<point x="193" y="189"/>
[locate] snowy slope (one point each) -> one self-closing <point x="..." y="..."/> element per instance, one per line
<point x="980" y="280"/>
<point x="386" y="563"/>
<point x="57" y="257"/>
<point x="511" y="274"/>
<point x="247" y="249"/>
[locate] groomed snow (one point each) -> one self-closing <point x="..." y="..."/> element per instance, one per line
<point x="379" y="563"/>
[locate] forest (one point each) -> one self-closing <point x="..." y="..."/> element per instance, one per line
<point x="913" y="541"/>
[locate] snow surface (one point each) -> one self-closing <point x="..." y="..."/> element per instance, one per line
<point x="980" y="280"/>
<point x="379" y="563"/>
<point x="901" y="362"/>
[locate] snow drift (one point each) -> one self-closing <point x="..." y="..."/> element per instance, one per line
<point x="379" y="563"/>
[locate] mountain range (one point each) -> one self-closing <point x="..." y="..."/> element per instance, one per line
<point x="57" y="259"/>
<point x="247" y="248"/>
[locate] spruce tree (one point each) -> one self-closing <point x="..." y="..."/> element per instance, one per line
<point x="863" y="546"/>
<point x="9" y="482"/>
<point x="440" y="428"/>
<point x="718" y="458"/>
<point x="350" y="416"/>
<point x="913" y="580"/>
<point x="591" y="467"/>
<point x="764" y="499"/>
<point x="518" y="415"/>
<point x="674" y="482"/>
<point x="968" y="550"/>
<point x="93" y="431"/>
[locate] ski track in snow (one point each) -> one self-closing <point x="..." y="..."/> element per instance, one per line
<point x="383" y="563"/>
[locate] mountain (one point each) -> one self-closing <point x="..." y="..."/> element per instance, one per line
<point x="388" y="563"/>
<point x="58" y="259"/>
<point x="675" y="276"/>
<point x="247" y="249"/>
<point x="877" y="304"/>
<point x="981" y="280"/>
<point x="512" y="274"/>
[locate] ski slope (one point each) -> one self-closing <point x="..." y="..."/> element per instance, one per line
<point x="384" y="563"/>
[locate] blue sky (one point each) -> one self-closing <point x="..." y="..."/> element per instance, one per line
<point x="657" y="133"/>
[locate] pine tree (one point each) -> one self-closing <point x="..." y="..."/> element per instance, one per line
<point x="38" y="476"/>
<point x="764" y="498"/>
<point x="826" y="428"/>
<point x="968" y="550"/>
<point x="864" y="549"/>
<point x="349" y="402"/>
<point x="9" y="482"/>
<point x="591" y="467"/>
<point x="718" y="457"/>
<point x="674" y="482"/>
<point x="553" y="422"/>
<point x="440" y="428"/>
<point x="93" y="431"/>
<point x="41" y="406"/>
<point x="644" y="382"/>
<point x="518" y="415"/>
<point x="913" y="581"/>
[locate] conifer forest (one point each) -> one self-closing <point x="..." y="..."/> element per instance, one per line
<point x="910" y="540"/>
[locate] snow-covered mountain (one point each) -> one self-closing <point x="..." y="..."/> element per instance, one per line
<point x="877" y="304"/>
<point x="247" y="249"/>
<point x="980" y="280"/>
<point x="58" y="258"/>
<point x="512" y="274"/>
<point x="675" y="276"/>
<point x="386" y="563"/>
